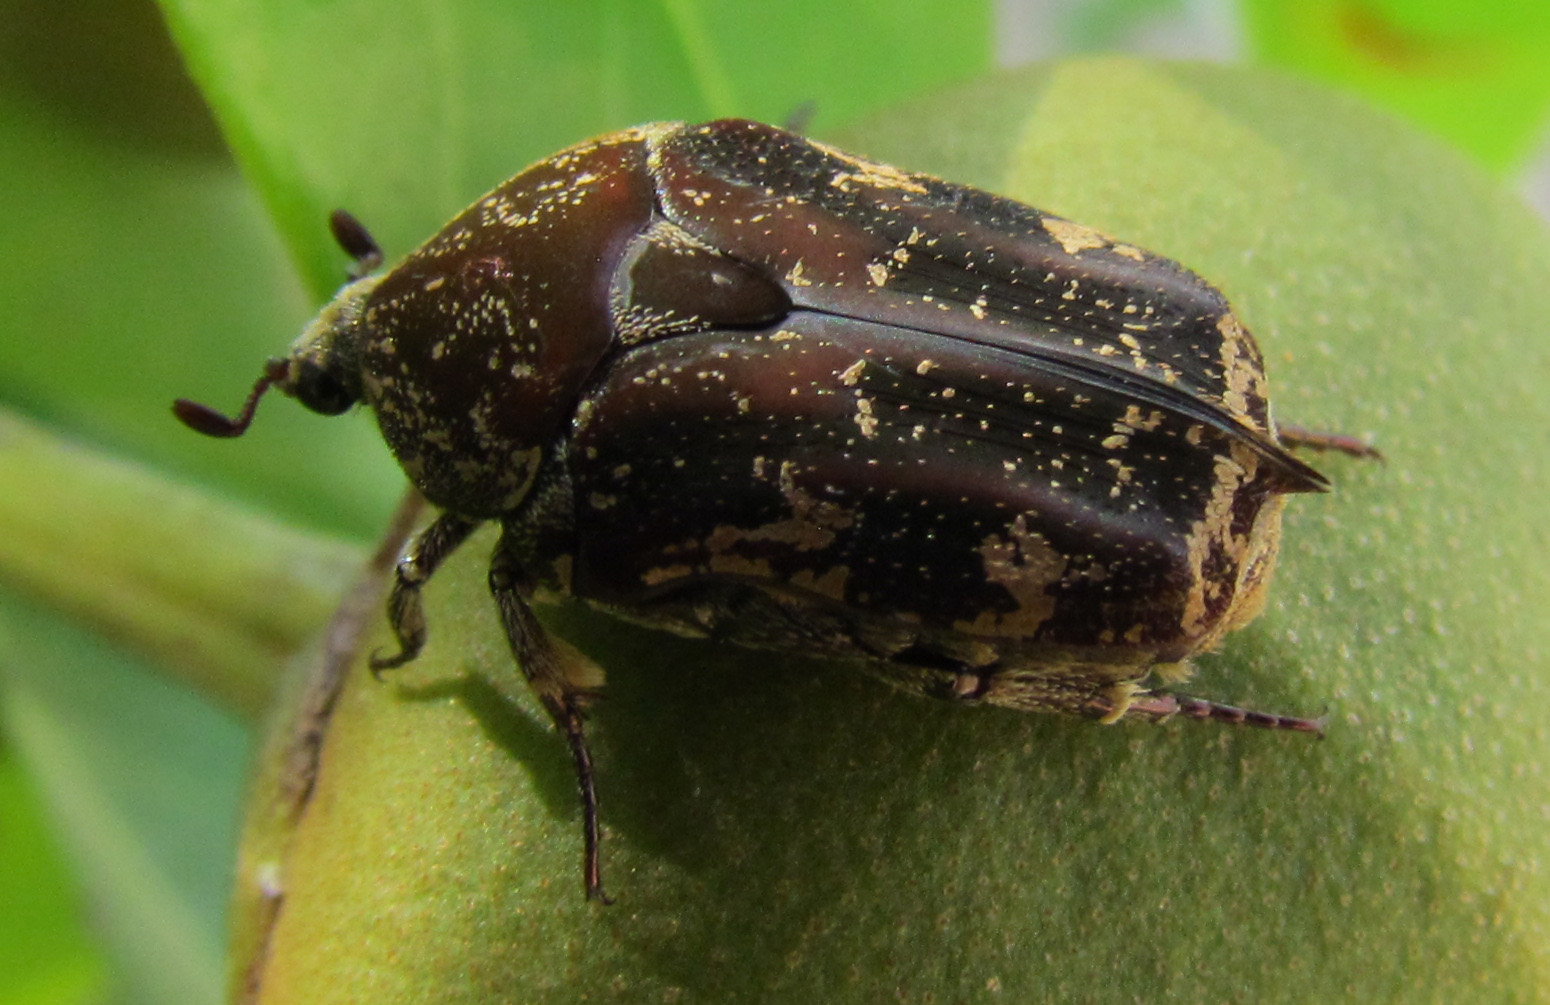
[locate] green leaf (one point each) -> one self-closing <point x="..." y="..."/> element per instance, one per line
<point x="782" y="831"/>
<point x="44" y="956"/>
<point x="137" y="268"/>
<point x="141" y="779"/>
<point x="140" y="269"/>
<point x="404" y="115"/>
<point x="1476" y="74"/>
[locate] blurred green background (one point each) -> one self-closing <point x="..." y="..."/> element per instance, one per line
<point x="139" y="265"/>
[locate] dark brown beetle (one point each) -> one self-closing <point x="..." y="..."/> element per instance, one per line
<point x="737" y="384"/>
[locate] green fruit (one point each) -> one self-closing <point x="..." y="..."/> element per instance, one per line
<point x="788" y="831"/>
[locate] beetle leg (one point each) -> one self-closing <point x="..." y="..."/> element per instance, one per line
<point x="405" y="612"/>
<point x="556" y="673"/>
<point x="1164" y="706"/>
<point x="1313" y="439"/>
<point x="969" y="685"/>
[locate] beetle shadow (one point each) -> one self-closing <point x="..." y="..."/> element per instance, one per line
<point x="507" y="721"/>
<point x="754" y="796"/>
<point x="727" y="781"/>
<point x="750" y="801"/>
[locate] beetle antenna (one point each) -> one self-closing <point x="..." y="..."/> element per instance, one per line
<point x="356" y="241"/>
<point x="799" y="118"/>
<point x="206" y="420"/>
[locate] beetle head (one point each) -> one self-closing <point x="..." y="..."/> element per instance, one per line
<point x="322" y="369"/>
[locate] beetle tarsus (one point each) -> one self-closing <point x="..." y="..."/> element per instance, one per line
<point x="406" y="615"/>
<point x="1166" y="706"/>
<point x="582" y="757"/>
<point x="378" y="663"/>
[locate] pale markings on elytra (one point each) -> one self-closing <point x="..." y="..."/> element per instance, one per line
<point x="1074" y="237"/>
<point x="1213" y="532"/>
<point x="1133" y="419"/>
<point x="864" y="417"/>
<point x="1241" y="370"/>
<point x="1024" y="564"/>
<point x="868" y="174"/>
<point x="831" y="583"/>
<point x="728" y="564"/>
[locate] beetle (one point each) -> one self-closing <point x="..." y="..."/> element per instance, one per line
<point x="735" y="383"/>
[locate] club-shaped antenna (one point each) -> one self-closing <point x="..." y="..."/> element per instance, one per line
<point x="206" y="420"/>
<point x="356" y="241"/>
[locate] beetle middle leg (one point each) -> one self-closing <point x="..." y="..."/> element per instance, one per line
<point x="561" y="678"/>
<point x="405" y="612"/>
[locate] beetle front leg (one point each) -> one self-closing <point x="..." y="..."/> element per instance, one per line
<point x="405" y="612"/>
<point x="561" y="678"/>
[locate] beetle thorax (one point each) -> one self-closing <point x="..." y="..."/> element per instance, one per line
<point x="451" y="395"/>
<point x="474" y="349"/>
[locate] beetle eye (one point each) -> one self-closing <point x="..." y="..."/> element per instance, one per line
<point x="321" y="391"/>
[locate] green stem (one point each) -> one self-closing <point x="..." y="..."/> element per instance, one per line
<point x="214" y="595"/>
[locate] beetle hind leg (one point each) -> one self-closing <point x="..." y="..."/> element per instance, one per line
<point x="563" y="679"/>
<point x="1314" y="439"/>
<point x="1158" y="706"/>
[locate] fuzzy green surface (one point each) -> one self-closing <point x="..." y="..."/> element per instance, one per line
<point x="785" y="831"/>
